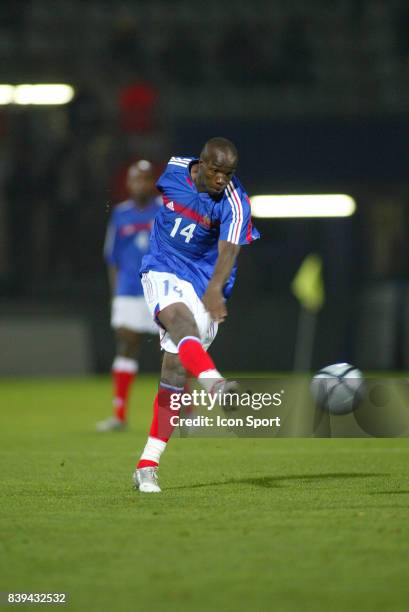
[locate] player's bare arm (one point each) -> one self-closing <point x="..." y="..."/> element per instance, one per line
<point x="213" y="298"/>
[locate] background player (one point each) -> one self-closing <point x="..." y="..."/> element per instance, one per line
<point x="127" y="241"/>
<point x="187" y="276"/>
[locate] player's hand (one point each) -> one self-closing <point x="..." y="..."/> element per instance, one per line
<point x="214" y="303"/>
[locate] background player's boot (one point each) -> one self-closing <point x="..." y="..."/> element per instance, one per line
<point x="111" y="424"/>
<point x="146" y="480"/>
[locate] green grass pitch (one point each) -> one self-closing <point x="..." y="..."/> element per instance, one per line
<point x="281" y="524"/>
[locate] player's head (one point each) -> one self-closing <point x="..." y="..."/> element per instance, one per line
<point x="140" y="181"/>
<point x="217" y="165"/>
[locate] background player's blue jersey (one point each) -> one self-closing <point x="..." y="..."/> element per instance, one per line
<point x="127" y="241"/>
<point x="184" y="239"/>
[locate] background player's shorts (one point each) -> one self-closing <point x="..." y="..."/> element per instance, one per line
<point x="131" y="312"/>
<point x="162" y="289"/>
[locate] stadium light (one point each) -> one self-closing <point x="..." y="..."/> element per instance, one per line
<point x="302" y="206"/>
<point x="37" y="94"/>
<point x="6" y="94"/>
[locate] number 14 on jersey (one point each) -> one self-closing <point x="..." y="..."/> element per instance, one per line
<point x="186" y="232"/>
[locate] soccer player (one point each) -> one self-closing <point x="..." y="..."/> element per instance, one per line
<point x="187" y="276"/>
<point x="127" y="241"/>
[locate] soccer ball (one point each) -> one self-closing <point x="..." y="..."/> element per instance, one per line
<point x="338" y="388"/>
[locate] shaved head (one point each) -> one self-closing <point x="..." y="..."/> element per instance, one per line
<point x="141" y="166"/>
<point x="220" y="148"/>
<point x="141" y="182"/>
<point x="217" y="165"/>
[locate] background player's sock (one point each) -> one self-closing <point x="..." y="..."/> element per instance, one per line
<point x="124" y="371"/>
<point x="161" y="428"/>
<point x="195" y="360"/>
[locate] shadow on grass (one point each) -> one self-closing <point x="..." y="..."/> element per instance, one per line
<point x="273" y="481"/>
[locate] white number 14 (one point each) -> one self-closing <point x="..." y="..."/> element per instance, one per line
<point x="186" y="231"/>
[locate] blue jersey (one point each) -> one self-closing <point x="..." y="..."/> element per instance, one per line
<point x="188" y="227"/>
<point x="127" y="241"/>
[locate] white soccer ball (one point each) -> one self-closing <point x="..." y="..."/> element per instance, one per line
<point x="338" y="388"/>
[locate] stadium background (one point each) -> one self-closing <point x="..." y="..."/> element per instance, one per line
<point x="314" y="94"/>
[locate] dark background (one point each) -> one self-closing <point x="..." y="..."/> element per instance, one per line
<point x="315" y="95"/>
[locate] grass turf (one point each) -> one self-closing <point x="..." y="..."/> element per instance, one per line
<point x="286" y="524"/>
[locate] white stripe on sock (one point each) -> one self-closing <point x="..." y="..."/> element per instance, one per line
<point x="208" y="378"/>
<point x="124" y="364"/>
<point x="153" y="449"/>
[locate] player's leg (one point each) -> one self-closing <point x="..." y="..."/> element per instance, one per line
<point x="185" y="324"/>
<point x="175" y="305"/>
<point x="180" y="323"/>
<point x="187" y="331"/>
<point x="124" y="369"/>
<point x="173" y="379"/>
<point x="130" y="318"/>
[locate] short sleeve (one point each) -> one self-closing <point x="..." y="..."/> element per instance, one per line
<point x="175" y="180"/>
<point x="111" y="243"/>
<point x="235" y="222"/>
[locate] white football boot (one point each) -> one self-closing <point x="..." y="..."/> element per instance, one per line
<point x="146" y="480"/>
<point x="111" y="424"/>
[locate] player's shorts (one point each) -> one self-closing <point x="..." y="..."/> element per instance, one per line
<point x="162" y="289"/>
<point x="131" y="312"/>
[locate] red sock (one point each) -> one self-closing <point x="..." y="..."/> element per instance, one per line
<point x="161" y="427"/>
<point x="123" y="373"/>
<point x="193" y="357"/>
